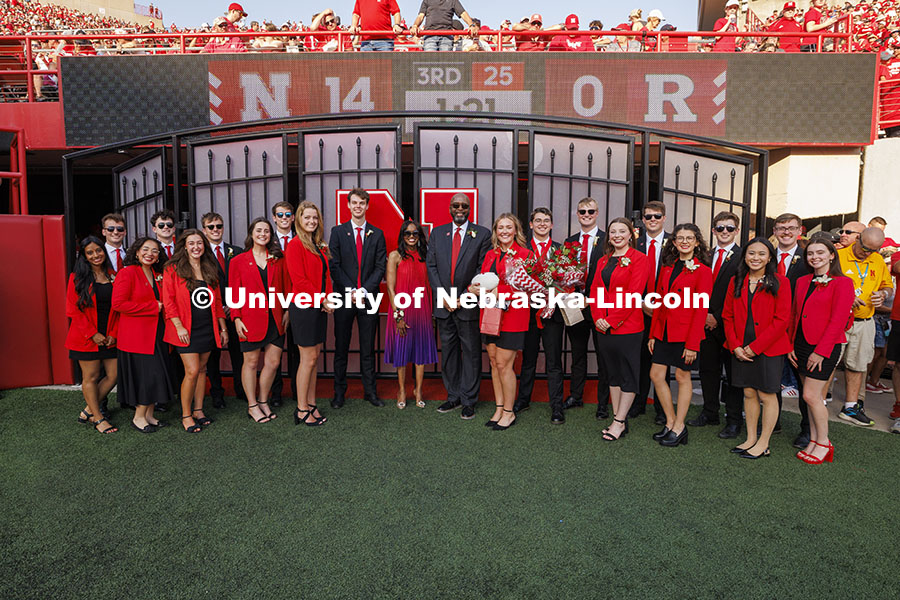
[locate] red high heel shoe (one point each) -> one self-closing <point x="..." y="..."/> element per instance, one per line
<point x="810" y="459"/>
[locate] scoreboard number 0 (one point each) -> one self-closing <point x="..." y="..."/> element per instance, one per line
<point x="358" y="99"/>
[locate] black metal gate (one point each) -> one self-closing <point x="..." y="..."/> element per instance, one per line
<point x="140" y="191"/>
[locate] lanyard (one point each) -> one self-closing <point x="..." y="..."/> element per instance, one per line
<point x="862" y="276"/>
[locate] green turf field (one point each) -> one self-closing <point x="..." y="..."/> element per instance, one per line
<point x="381" y="503"/>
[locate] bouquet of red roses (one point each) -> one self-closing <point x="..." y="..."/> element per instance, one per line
<point x="560" y="270"/>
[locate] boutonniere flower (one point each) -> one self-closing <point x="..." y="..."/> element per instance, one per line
<point x="159" y="278"/>
<point x="230" y="252"/>
<point x="690" y="265"/>
<point x="269" y="258"/>
<point x="821" y="280"/>
<point x="112" y="277"/>
<point x="795" y="259"/>
<point x="368" y="233"/>
<point x="728" y="255"/>
<point x="472" y="234"/>
<point x="625" y="261"/>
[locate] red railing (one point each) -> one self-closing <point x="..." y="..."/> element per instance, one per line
<point x="18" y="184"/>
<point x="889" y="103"/>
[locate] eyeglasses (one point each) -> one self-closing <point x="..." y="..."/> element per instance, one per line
<point x="153" y="251"/>
<point x="282" y="215"/>
<point x="866" y="248"/>
<point x="213" y="226"/>
<point x="459" y="205"/>
<point x="165" y="224"/>
<point x="729" y="228"/>
<point x="785" y="229"/>
<point x="118" y="228"/>
<point x="682" y="238"/>
<point x="652" y="216"/>
<point x="587" y="211"/>
<point x="848" y="232"/>
<point x="414" y="234"/>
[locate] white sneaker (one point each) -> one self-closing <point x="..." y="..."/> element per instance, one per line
<point x="896" y="426"/>
<point x="790" y="392"/>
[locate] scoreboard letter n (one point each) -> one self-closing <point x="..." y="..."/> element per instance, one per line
<point x="272" y="98"/>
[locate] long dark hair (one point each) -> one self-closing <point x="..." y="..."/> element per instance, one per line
<point x="607" y="246"/>
<point x="84" y="271"/>
<point x="132" y="259"/>
<point x="670" y="252"/>
<point x="769" y="282"/>
<point x="209" y="267"/>
<point x="421" y="245"/>
<point x="274" y="248"/>
<point x="835" y="269"/>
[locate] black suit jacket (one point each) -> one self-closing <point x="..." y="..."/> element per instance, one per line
<point x="343" y="262"/>
<point x="642" y="246"/>
<point x="230" y="252"/>
<point x="720" y="284"/>
<point x="596" y="253"/>
<point x="468" y="264"/>
<point x="797" y="269"/>
<point x="554" y="246"/>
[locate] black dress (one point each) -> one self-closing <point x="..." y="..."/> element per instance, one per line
<point x="508" y="340"/>
<point x="763" y="373"/>
<point x="310" y="325"/>
<point x="672" y="353"/>
<point x="144" y="378"/>
<point x="620" y="353"/>
<point x="203" y="336"/>
<point x="803" y="349"/>
<point x="272" y="336"/>
<point x="103" y="302"/>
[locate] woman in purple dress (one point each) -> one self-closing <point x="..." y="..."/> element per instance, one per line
<point x="410" y="331"/>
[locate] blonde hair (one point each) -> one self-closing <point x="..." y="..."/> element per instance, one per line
<point x="315" y="241"/>
<point x="520" y="233"/>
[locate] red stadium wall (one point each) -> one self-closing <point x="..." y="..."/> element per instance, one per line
<point x="32" y="339"/>
<point x="42" y="122"/>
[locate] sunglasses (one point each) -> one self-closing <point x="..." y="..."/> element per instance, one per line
<point x="587" y="211"/>
<point x="848" y="232"/>
<point x="728" y="228"/>
<point x="282" y="215"/>
<point x="165" y="225"/>
<point x="213" y="226"/>
<point x="653" y="216"/>
<point x="222" y="25"/>
<point x="459" y="205"/>
<point x="411" y="234"/>
<point x="118" y="228"/>
<point x="329" y="22"/>
<point x="866" y="248"/>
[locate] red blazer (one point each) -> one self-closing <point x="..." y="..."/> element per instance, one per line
<point x="771" y="315"/>
<point x="305" y="269"/>
<point x="84" y="322"/>
<point x="682" y="324"/>
<point x="826" y="315"/>
<point x="513" y="319"/>
<point x="243" y="273"/>
<point x="632" y="278"/>
<point x="177" y="303"/>
<point x="138" y="310"/>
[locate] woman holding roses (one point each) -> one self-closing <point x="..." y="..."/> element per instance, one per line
<point x="258" y="270"/>
<point x="755" y="317"/>
<point x="623" y="270"/>
<point x="823" y="305"/>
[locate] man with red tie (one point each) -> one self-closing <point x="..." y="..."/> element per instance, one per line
<point x="726" y="255"/>
<point x="550" y="331"/>
<point x="163" y="225"/>
<point x="213" y="227"/>
<point x="790" y="263"/>
<point x="592" y="240"/>
<point x="358" y="262"/>
<point x="283" y="216"/>
<point x="651" y="242"/>
<point x="113" y="229"/>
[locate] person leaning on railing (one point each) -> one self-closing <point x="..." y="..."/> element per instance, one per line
<point x="728" y="23"/>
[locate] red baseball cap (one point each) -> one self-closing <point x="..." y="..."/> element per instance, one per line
<point x="537" y="18"/>
<point x="790" y="6"/>
<point x="237" y="7"/>
<point x="572" y="22"/>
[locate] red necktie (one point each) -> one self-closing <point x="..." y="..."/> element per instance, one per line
<point x="359" y="244"/>
<point x="169" y="251"/>
<point x="220" y="257"/>
<point x="718" y="263"/>
<point x="781" y="268"/>
<point x="542" y="250"/>
<point x="284" y="242"/>
<point x="457" y="242"/>
<point x="652" y="255"/>
<point x="585" y="253"/>
<point x="118" y="259"/>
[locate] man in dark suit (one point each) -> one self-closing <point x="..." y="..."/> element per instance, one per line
<point x="456" y="252"/>
<point x="726" y="256"/>
<point x="592" y="240"/>
<point x="358" y="262"/>
<point x="651" y="242"/>
<point x="550" y="332"/>
<point x="789" y="262"/>
<point x="283" y="217"/>
<point x="214" y="229"/>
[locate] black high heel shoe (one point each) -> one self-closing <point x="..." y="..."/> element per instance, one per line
<point x="193" y="428"/>
<point x="307" y="414"/>
<point x="202" y="421"/>
<point x="491" y="423"/>
<point x="738" y="450"/>
<point x="85" y="417"/>
<point x="608" y="437"/>
<point x="661" y="434"/>
<point x="499" y="427"/>
<point x="271" y="415"/>
<point x="262" y="419"/>
<point x="746" y="454"/>
<point x="672" y="439"/>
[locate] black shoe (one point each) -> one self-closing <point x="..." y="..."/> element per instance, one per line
<point x="161" y="408"/>
<point x="737" y="450"/>
<point x="145" y="429"/>
<point x="276" y="402"/>
<point x="671" y="440"/>
<point x="703" y="420"/>
<point x="448" y="406"/>
<point x="660" y="419"/>
<point x="730" y="432"/>
<point x="498" y="426"/>
<point x="375" y="401"/>
<point x="608" y="437"/>
<point x="573" y="402"/>
<point x="661" y="434"/>
<point x="468" y="412"/>
<point x="337" y="402"/>
<point x="218" y="402"/>
<point x="492" y="422"/>
<point x="746" y="454"/>
<point x="557" y="417"/>
<point x="802" y="440"/>
<point x="603" y="412"/>
<point x="521" y="405"/>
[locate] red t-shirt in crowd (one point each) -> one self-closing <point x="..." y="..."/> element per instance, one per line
<point x="895" y="309"/>
<point x="725" y="43"/>
<point x="375" y="15"/>
<point x="788" y="44"/>
<point x="571" y="43"/>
